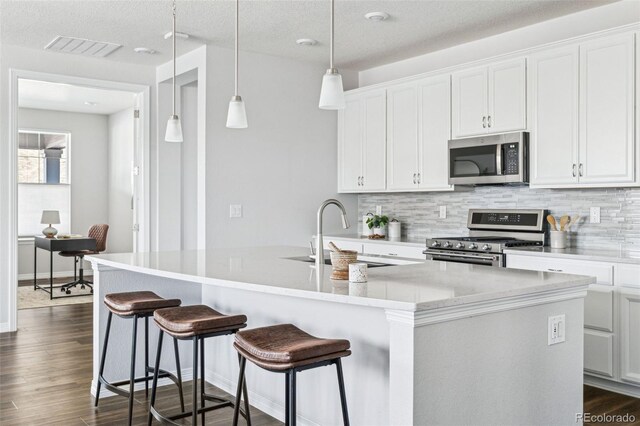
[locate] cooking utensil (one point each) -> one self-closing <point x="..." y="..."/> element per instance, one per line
<point x="574" y="220"/>
<point x="552" y="222"/>
<point x="564" y="220"/>
<point x="334" y="248"/>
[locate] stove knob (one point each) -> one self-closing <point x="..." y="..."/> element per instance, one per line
<point x="435" y="244"/>
<point x="447" y="244"/>
<point x="473" y="246"/>
<point x="460" y="245"/>
<point x="486" y="247"/>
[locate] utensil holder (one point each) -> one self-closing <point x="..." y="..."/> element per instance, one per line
<point x="395" y="230"/>
<point x="558" y="239"/>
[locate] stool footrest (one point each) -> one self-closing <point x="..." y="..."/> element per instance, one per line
<point x="223" y="403"/>
<point x="114" y="386"/>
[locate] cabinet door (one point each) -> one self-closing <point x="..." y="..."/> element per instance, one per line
<point x="402" y="137"/>
<point x="350" y="145"/>
<point x="553" y="113"/>
<point x="507" y="97"/>
<point x="607" y="110"/>
<point x="374" y="141"/>
<point x="434" y="132"/>
<point x="469" y="102"/>
<point x="630" y="335"/>
<point x="598" y="352"/>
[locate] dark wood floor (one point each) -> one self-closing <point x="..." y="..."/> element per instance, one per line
<point x="46" y="369"/>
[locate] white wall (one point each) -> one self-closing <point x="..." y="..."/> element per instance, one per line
<point x="189" y="176"/>
<point x="120" y="153"/>
<point x="13" y="57"/>
<point x="562" y="28"/>
<point x="283" y="166"/>
<point x="89" y="185"/>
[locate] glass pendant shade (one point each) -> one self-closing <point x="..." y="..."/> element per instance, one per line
<point x="174" y="130"/>
<point x="237" y="115"/>
<point x="332" y="92"/>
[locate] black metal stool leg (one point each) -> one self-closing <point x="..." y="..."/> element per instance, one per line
<point x="343" y="396"/>
<point x="104" y="356"/>
<point x="156" y="370"/>
<point x="146" y="357"/>
<point x="202" y="378"/>
<point x="292" y="397"/>
<point x="194" y="417"/>
<point x="247" y="414"/>
<point x="178" y="372"/>
<point x="236" y="408"/>
<point x="133" y="367"/>
<point x="287" y="402"/>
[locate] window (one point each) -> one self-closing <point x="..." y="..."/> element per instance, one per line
<point x="43" y="157"/>
<point x="43" y="180"/>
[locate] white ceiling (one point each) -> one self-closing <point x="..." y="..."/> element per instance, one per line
<point x="66" y="97"/>
<point x="272" y="26"/>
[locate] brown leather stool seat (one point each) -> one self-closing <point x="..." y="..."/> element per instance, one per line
<point x="285" y="346"/>
<point x="137" y="302"/>
<point x="188" y="321"/>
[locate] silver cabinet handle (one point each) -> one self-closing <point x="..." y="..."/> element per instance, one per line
<point x="484" y="122"/>
<point x="573" y="169"/>
<point x="580" y="170"/>
<point x="489" y="121"/>
<point x="359" y="181"/>
<point x="418" y="177"/>
<point x="414" y="178"/>
<point x="362" y="180"/>
<point x="555" y="270"/>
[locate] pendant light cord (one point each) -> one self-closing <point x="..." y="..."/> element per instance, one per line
<point x="236" y="59"/>
<point x="174" y="57"/>
<point x="331" y="41"/>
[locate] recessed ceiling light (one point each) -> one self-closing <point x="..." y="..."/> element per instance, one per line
<point x="306" y="42"/>
<point x="144" y="50"/>
<point x="377" y="16"/>
<point x="89" y="103"/>
<point x="178" y="34"/>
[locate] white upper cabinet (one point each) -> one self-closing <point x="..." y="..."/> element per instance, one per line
<point x="402" y="137"/>
<point x="607" y="111"/>
<point x="553" y="116"/>
<point x="361" y="142"/>
<point x="434" y="132"/>
<point x="489" y="99"/>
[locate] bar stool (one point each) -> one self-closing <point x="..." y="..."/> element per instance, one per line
<point x="135" y="305"/>
<point x="286" y="349"/>
<point x="195" y="323"/>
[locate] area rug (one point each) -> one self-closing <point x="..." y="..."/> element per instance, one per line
<point x="29" y="298"/>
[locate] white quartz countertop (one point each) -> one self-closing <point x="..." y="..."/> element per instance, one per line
<point x="399" y="241"/>
<point x="424" y="285"/>
<point x="594" y="254"/>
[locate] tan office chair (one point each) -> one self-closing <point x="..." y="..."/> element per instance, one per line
<point x="99" y="232"/>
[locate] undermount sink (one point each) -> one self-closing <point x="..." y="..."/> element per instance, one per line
<point x="308" y="259"/>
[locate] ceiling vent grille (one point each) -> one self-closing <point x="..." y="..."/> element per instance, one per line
<point x="81" y="46"/>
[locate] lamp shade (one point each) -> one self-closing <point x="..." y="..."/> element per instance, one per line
<point x="332" y="92"/>
<point x="174" y="130"/>
<point x="237" y="115"/>
<point x="50" y="217"/>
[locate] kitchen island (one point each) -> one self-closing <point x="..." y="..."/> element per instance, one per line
<point x="433" y="342"/>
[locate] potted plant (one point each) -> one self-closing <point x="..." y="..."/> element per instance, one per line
<point x="378" y="224"/>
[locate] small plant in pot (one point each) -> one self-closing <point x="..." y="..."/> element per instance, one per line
<point x="378" y="224"/>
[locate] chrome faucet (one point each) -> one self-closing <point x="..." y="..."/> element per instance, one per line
<point x="319" y="242"/>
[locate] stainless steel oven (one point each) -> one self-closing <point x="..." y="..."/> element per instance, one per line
<point x="490" y="160"/>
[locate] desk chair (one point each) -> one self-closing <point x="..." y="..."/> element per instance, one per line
<point x="99" y="232"/>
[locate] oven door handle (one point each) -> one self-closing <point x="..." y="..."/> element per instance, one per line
<point x="468" y="256"/>
<point x="499" y="159"/>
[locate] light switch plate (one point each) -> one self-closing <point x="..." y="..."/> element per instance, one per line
<point x="556" y="329"/>
<point x="443" y="212"/>
<point x="379" y="210"/>
<point x="235" y="210"/>
<point x="594" y="215"/>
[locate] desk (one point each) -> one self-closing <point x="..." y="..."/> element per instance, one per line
<point x="57" y="244"/>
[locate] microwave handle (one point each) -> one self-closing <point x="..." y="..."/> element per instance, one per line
<point x="499" y="159"/>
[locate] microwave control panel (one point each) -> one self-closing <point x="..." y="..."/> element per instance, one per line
<point x="511" y="159"/>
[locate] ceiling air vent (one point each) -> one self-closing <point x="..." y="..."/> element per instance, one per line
<point x="81" y="46"/>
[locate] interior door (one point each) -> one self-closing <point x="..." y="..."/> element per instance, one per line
<point x="606" y="110"/>
<point x="374" y="142"/>
<point x="402" y="137"/>
<point x="507" y="96"/>
<point x="469" y="102"/>
<point x="553" y="88"/>
<point x="350" y="144"/>
<point x="434" y="132"/>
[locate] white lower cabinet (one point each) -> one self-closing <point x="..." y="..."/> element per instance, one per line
<point x="611" y="316"/>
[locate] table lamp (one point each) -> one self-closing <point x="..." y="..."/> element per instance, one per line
<point x="50" y="217"/>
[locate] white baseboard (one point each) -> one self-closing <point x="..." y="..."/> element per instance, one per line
<point x="4" y="327"/>
<point x="261" y="402"/>
<point x="56" y="274"/>
<point x="187" y="374"/>
<point x="612" y="386"/>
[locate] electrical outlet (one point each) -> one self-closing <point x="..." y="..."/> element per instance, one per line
<point x="443" y="212"/>
<point x="235" y="210"/>
<point x="379" y="210"/>
<point x="594" y="215"/>
<point x="556" y="329"/>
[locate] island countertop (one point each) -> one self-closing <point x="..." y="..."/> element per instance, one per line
<point x="423" y="285"/>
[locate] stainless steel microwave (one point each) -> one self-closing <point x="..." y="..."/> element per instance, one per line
<point x="490" y="160"/>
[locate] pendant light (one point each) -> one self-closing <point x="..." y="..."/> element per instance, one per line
<point x="237" y="115"/>
<point x="174" y="127"/>
<point x="332" y="93"/>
